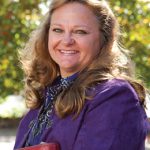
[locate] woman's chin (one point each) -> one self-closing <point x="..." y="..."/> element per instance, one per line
<point x="68" y="70"/>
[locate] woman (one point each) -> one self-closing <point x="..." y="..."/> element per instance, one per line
<point x="79" y="86"/>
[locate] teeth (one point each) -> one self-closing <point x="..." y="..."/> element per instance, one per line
<point x="68" y="51"/>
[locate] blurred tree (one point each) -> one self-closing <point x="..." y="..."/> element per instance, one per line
<point x="134" y="18"/>
<point x="19" y="17"/>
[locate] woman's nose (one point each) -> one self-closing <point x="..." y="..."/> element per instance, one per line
<point x="67" y="39"/>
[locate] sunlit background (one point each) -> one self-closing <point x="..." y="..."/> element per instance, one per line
<point x="19" y="17"/>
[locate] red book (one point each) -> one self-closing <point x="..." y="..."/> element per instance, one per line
<point x="44" y="146"/>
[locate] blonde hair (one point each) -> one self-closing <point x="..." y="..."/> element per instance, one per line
<point x="40" y="70"/>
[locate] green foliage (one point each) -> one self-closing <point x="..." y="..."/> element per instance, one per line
<point x="17" y="20"/>
<point x="19" y="17"/>
<point x="134" y="18"/>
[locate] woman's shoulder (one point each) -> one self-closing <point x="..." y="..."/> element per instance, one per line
<point x="29" y="116"/>
<point x="114" y="90"/>
<point x="115" y="94"/>
<point x="114" y="85"/>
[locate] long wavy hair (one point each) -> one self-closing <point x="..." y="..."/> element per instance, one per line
<point x="40" y="69"/>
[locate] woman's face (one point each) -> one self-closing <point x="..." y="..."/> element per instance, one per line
<point x="74" y="37"/>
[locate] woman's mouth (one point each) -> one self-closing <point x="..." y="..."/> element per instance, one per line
<point x="68" y="52"/>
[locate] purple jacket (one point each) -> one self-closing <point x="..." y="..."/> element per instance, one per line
<point x="112" y="120"/>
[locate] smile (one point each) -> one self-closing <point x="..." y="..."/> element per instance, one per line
<point x="68" y="52"/>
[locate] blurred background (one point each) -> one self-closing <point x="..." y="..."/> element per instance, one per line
<point x="19" y="17"/>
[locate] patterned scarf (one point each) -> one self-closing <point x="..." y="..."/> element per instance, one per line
<point x="44" y="119"/>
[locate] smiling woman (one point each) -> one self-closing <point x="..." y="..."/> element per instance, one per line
<point x="74" y="38"/>
<point x="81" y="93"/>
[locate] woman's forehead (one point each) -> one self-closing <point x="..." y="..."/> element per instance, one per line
<point x="74" y="13"/>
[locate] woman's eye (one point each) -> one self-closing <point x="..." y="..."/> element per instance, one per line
<point x="80" y="32"/>
<point x="57" y="30"/>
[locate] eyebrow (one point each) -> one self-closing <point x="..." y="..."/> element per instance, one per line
<point x="76" y="26"/>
